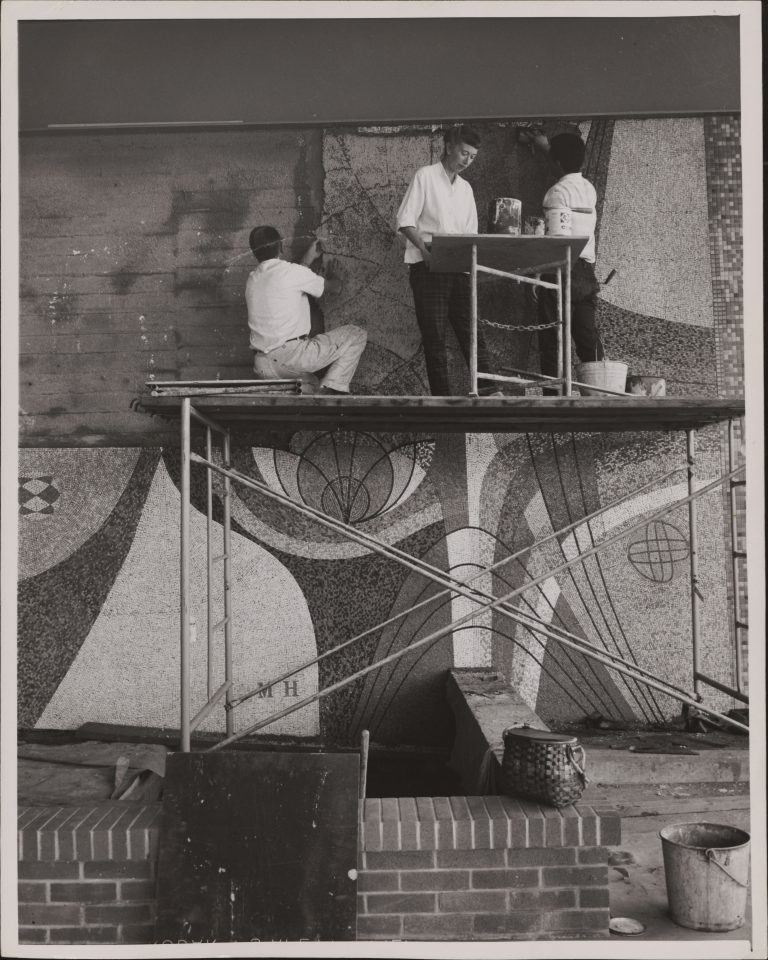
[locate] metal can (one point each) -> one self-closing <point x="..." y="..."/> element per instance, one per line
<point x="505" y="216"/>
<point x="533" y="227"/>
<point x="558" y="221"/>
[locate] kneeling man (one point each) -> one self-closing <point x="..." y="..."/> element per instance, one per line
<point x="277" y="296"/>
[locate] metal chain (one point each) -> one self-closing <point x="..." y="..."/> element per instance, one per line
<point x="516" y="329"/>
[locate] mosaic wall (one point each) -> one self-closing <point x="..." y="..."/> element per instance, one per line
<point x="98" y="558"/>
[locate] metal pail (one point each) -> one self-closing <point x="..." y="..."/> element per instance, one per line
<point x="706" y="866"/>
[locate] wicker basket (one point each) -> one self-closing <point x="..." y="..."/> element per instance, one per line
<point x="542" y="766"/>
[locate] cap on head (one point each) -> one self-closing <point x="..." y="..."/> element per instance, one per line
<point x="265" y="243"/>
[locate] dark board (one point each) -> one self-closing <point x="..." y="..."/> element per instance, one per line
<point x="459" y="414"/>
<point x="374" y="70"/>
<point x="451" y="252"/>
<point x="258" y="846"/>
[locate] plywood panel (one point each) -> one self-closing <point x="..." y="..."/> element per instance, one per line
<point x="258" y="846"/>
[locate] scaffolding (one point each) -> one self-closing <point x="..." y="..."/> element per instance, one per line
<point x="523" y="260"/>
<point x="547" y="416"/>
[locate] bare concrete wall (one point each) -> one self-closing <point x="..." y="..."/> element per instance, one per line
<point x="134" y="253"/>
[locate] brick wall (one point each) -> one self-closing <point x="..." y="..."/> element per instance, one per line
<point x="87" y="874"/>
<point x="483" y="868"/>
<point x="430" y="868"/>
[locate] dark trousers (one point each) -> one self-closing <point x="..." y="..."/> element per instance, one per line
<point x="586" y="337"/>
<point x="441" y="299"/>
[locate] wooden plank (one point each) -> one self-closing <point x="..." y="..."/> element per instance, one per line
<point x="258" y="846"/>
<point x="463" y="414"/>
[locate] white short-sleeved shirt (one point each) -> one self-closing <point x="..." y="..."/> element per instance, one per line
<point x="433" y="204"/>
<point x="276" y="298"/>
<point x="575" y="191"/>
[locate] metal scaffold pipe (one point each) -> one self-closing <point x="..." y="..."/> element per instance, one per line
<point x="492" y="605"/>
<point x="392" y="553"/>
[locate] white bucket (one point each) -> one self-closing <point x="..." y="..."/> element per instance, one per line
<point x="706" y="867"/>
<point x="611" y="374"/>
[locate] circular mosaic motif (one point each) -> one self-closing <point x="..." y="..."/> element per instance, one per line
<point x="659" y="553"/>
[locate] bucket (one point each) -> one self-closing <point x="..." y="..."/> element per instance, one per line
<point x="611" y="374"/>
<point x="707" y="872"/>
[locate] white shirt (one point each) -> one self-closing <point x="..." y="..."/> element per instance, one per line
<point x="575" y="191"/>
<point x="432" y="204"/>
<point x="276" y="298"/>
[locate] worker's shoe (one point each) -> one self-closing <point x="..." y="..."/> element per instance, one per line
<point x="330" y="392"/>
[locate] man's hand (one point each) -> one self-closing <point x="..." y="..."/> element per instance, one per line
<point x="535" y="138"/>
<point x="313" y="251"/>
<point x="333" y="281"/>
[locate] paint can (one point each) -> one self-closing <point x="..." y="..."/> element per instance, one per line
<point x="533" y="227"/>
<point x="505" y="214"/>
<point x="558" y="221"/>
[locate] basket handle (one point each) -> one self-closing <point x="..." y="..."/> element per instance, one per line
<point x="711" y="855"/>
<point x="579" y="764"/>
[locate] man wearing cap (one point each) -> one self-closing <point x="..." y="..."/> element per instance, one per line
<point x="277" y="297"/>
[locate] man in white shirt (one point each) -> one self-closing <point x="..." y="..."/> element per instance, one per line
<point x="438" y="200"/>
<point x="574" y="191"/>
<point x="277" y="297"/>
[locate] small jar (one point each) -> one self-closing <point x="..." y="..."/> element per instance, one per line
<point x="558" y="221"/>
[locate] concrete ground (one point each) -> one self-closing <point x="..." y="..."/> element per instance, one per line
<point x="704" y="778"/>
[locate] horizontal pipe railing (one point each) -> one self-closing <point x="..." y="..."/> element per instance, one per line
<point x="517" y="276"/>
<point x="722" y="687"/>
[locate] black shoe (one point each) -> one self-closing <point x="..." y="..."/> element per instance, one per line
<point x="330" y="392"/>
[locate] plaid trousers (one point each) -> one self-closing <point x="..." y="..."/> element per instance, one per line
<point x="440" y="299"/>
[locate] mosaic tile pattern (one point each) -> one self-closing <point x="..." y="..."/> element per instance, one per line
<point x="58" y="607"/>
<point x="722" y="149"/>
<point x="722" y="144"/>
<point x="653" y="229"/>
<point x="88" y="482"/>
<point x="682" y="354"/>
<point x="133" y="646"/>
<point x="98" y="606"/>
<point x="658" y="613"/>
<point x="37" y="497"/>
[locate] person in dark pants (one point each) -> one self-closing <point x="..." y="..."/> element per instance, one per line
<point x="574" y="191"/>
<point x="438" y="200"/>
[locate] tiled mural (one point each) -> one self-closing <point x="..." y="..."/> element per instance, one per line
<point x="98" y="595"/>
